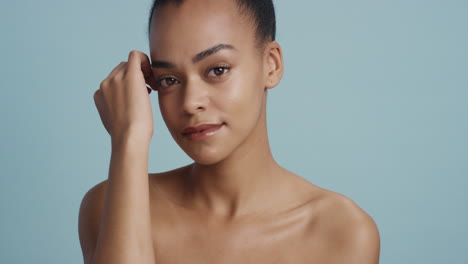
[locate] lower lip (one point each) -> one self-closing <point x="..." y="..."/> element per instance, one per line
<point x="203" y="135"/>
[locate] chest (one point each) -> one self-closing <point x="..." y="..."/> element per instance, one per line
<point x="216" y="249"/>
<point x="284" y="240"/>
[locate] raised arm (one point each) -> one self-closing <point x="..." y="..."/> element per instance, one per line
<point x="114" y="218"/>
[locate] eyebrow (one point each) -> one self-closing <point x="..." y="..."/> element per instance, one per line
<point x="198" y="57"/>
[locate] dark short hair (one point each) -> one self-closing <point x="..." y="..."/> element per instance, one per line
<point x="262" y="13"/>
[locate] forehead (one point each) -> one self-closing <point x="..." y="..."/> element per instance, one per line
<point x="198" y="24"/>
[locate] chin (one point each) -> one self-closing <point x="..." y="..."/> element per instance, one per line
<point x="206" y="153"/>
<point x="205" y="157"/>
<point x="207" y="162"/>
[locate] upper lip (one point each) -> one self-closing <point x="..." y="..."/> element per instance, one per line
<point x="200" y="127"/>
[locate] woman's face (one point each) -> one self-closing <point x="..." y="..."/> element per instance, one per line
<point x="225" y="86"/>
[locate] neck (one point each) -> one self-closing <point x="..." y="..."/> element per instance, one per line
<point x="239" y="184"/>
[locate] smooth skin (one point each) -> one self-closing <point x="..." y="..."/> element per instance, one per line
<point x="234" y="203"/>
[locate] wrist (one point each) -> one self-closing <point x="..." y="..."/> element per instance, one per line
<point x="131" y="140"/>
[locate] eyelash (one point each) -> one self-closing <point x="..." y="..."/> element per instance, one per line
<point x="225" y="67"/>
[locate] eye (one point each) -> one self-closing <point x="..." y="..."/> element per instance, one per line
<point x="218" y="70"/>
<point x="166" y="82"/>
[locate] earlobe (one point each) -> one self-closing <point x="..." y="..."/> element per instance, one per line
<point x="274" y="59"/>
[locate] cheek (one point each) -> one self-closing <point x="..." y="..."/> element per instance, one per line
<point x="167" y="112"/>
<point x="240" y="98"/>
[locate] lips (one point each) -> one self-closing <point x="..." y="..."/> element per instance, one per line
<point x="199" y="128"/>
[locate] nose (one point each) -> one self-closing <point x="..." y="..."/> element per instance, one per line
<point x="194" y="97"/>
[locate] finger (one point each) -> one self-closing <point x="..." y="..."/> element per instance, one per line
<point x="116" y="69"/>
<point x="139" y="61"/>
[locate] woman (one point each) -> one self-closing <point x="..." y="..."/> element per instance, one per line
<point x="212" y="64"/>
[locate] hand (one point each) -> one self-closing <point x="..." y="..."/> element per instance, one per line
<point x="123" y="100"/>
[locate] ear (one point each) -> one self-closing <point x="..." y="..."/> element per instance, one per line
<point x="273" y="58"/>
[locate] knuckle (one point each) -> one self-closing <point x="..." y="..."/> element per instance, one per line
<point x="103" y="84"/>
<point x="112" y="80"/>
<point x="97" y="96"/>
<point x="133" y="53"/>
<point x="124" y="72"/>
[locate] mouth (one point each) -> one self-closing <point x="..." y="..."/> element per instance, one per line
<point x="201" y="131"/>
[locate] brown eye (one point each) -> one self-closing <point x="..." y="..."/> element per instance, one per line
<point x="218" y="71"/>
<point x="166" y="82"/>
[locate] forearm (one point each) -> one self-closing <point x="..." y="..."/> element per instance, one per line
<point x="125" y="232"/>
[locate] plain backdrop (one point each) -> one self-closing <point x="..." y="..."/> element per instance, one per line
<point x="373" y="105"/>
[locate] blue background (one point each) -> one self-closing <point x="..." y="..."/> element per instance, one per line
<point x="373" y="105"/>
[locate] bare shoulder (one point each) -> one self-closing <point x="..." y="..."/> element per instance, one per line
<point x="346" y="228"/>
<point x="93" y="202"/>
<point x="89" y="220"/>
